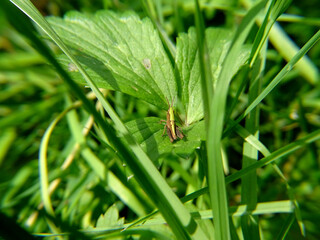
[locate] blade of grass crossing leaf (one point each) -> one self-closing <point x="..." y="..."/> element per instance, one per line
<point x="147" y="175"/>
<point x="249" y="186"/>
<point x="206" y="80"/>
<point x="189" y="69"/>
<point x="216" y="178"/>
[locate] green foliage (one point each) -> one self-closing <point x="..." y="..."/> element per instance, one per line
<point x="132" y="65"/>
<point x="110" y="218"/>
<point x="119" y="52"/>
<point x="187" y="63"/>
<point x="84" y="153"/>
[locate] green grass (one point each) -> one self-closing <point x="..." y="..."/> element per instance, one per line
<point x="82" y="149"/>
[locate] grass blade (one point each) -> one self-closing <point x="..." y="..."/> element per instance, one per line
<point x="285" y="70"/>
<point x="217" y="102"/>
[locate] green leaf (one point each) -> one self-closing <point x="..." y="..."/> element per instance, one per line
<point x="110" y="218"/>
<point x="149" y="133"/>
<point x="187" y="63"/>
<point x="119" y="52"/>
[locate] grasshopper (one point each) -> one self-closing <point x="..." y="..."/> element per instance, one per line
<point x="172" y="129"/>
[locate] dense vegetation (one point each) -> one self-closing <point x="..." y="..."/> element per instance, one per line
<point x="84" y="153"/>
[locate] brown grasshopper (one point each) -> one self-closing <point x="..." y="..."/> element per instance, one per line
<point x="172" y="129"/>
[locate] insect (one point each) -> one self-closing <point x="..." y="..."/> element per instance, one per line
<point x="173" y="131"/>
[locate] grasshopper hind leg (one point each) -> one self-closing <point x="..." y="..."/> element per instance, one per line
<point x="170" y="135"/>
<point x="179" y="132"/>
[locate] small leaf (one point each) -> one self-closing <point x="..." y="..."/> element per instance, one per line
<point x="119" y="52"/>
<point x="110" y="218"/>
<point x="148" y="132"/>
